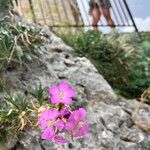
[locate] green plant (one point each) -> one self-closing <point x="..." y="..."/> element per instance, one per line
<point x="20" y="111"/>
<point x="40" y="94"/>
<point x="14" y="115"/>
<point x="139" y="74"/>
<point x="18" y="44"/>
<point x="5" y="4"/>
<point x="121" y="58"/>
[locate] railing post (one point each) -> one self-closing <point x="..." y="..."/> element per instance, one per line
<point x="32" y="10"/>
<point x="130" y="14"/>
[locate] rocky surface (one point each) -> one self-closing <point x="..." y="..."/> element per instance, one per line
<point x="111" y="125"/>
<point x="111" y="128"/>
<point x="59" y="63"/>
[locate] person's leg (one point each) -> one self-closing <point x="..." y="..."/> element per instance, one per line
<point x="95" y="17"/>
<point x="106" y="13"/>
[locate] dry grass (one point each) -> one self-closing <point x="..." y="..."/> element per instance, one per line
<point x="144" y="97"/>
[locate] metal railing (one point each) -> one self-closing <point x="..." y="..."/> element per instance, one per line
<point x="71" y="13"/>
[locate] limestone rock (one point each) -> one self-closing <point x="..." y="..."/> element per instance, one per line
<point x="58" y="63"/>
<point x="111" y="128"/>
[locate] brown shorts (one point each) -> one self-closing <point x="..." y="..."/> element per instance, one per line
<point x="99" y="4"/>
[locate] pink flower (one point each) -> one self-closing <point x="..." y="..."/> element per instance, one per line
<point x="49" y="134"/>
<point x="77" y="124"/>
<point x="59" y="139"/>
<point x="48" y="118"/>
<point x="51" y="124"/>
<point x="62" y="93"/>
<point x="60" y="124"/>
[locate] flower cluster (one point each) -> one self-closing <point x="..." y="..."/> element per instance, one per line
<point x="61" y="120"/>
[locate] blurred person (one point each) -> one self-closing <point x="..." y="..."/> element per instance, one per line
<point x="98" y="8"/>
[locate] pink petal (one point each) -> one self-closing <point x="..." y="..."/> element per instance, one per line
<point x="64" y="111"/>
<point x="53" y="113"/>
<point x="72" y="121"/>
<point x="48" y="133"/>
<point x="55" y="99"/>
<point x="60" y="140"/>
<point x="63" y="86"/>
<point x="70" y="92"/>
<point x="66" y="100"/>
<point x="70" y="125"/>
<point x="75" y="116"/>
<point x="45" y="115"/>
<point x="59" y="124"/>
<point x="82" y="131"/>
<point x="82" y="113"/>
<point x="42" y="123"/>
<point x="53" y="90"/>
<point x="49" y="114"/>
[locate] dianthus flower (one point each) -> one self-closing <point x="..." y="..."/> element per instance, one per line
<point x="59" y="139"/>
<point x="54" y="138"/>
<point x="77" y="124"/>
<point x="49" y="122"/>
<point x="48" y="118"/>
<point x="62" y="93"/>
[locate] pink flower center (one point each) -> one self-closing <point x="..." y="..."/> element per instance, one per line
<point x="50" y="123"/>
<point x="61" y="94"/>
<point x="80" y="124"/>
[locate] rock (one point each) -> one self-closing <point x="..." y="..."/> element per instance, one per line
<point x="58" y="63"/>
<point x="31" y="140"/>
<point x="143" y="113"/>
<point x="110" y="129"/>
<point x="11" y="142"/>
